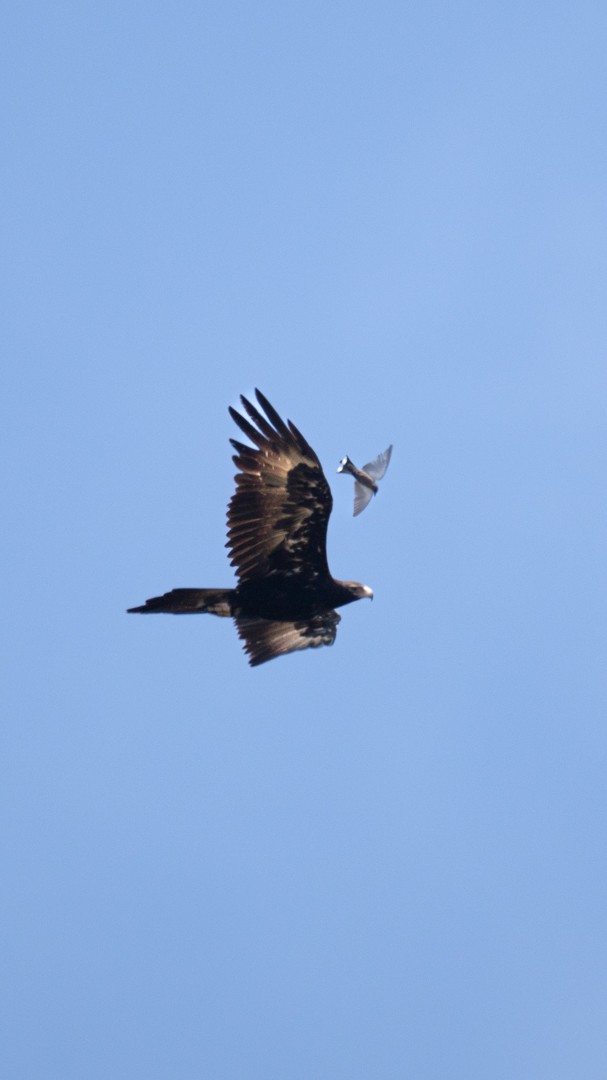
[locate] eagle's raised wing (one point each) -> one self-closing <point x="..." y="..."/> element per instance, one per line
<point x="264" y="638"/>
<point x="278" y="515"/>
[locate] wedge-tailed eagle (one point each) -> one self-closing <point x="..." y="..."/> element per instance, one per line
<point x="277" y="521"/>
<point x="365" y="479"/>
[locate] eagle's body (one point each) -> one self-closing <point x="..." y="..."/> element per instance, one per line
<point x="285" y="598"/>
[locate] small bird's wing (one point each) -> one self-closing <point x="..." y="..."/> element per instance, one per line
<point x="377" y="468"/>
<point x="362" y="496"/>
<point x="265" y="639"/>
<point x="278" y="515"/>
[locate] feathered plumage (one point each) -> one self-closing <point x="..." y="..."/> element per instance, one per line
<point x="277" y="520"/>
<point x="366" y="479"/>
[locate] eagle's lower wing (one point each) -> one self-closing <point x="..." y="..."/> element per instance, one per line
<point x="265" y="639"/>
<point x="278" y="515"/>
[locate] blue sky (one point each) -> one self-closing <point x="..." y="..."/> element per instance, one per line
<point x="385" y="859"/>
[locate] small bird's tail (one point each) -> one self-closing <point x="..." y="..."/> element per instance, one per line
<point x="347" y="466"/>
<point x="189" y="602"/>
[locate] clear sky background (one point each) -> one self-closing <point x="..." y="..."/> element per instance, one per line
<point x="386" y="859"/>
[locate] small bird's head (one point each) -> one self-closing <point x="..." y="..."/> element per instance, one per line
<point x="343" y="465"/>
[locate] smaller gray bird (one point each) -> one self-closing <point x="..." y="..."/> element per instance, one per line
<point x="365" y="480"/>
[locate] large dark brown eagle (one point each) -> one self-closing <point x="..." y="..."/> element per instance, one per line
<point x="285" y="598"/>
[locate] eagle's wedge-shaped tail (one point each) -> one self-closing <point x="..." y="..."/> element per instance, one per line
<point x="188" y="602"/>
<point x="366" y="479"/>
